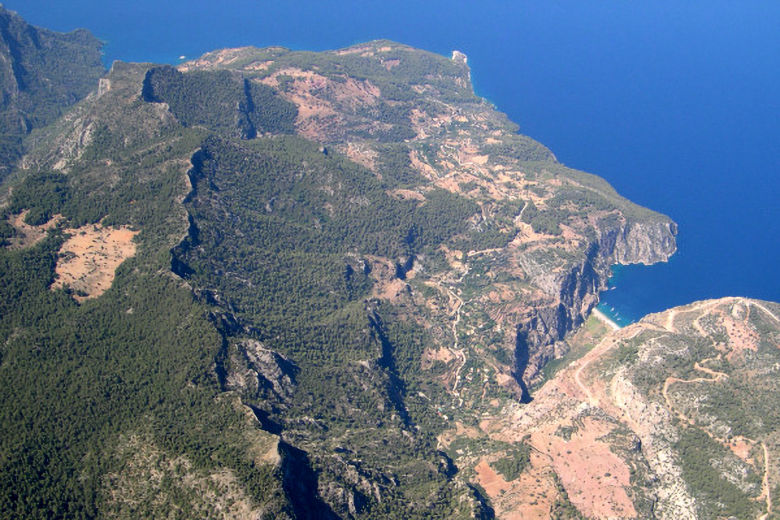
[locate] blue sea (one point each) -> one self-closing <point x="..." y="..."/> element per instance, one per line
<point x="677" y="104"/>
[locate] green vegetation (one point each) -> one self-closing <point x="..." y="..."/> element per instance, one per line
<point x="563" y="509"/>
<point x="513" y="464"/>
<point x="73" y="377"/>
<point x="547" y="222"/>
<point x="582" y="200"/>
<point x="76" y="379"/>
<point x="221" y="101"/>
<point x="719" y="497"/>
<point x="280" y="245"/>
<point x="519" y="148"/>
<point x="250" y="237"/>
<point x="413" y="67"/>
<point x="50" y="72"/>
<point x="43" y="195"/>
<point x="396" y="167"/>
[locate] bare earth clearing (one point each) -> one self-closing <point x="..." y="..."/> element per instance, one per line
<point x="89" y="259"/>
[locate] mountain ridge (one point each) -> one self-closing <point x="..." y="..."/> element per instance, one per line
<point x="42" y="73"/>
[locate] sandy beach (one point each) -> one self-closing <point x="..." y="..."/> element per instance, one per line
<point x="605" y="320"/>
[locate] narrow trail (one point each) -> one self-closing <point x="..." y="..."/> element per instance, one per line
<point x="596" y="352"/>
<point x="714" y="377"/>
<point x="669" y="325"/>
<point x="520" y="216"/>
<point x="458" y="351"/>
<point x="485" y="251"/>
<point x="766" y="484"/>
<point x="672" y="314"/>
<point x="698" y="327"/>
<point x="760" y="306"/>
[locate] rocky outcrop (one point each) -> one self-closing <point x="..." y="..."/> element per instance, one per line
<point x="681" y="404"/>
<point x="257" y="371"/>
<point x="657" y="440"/>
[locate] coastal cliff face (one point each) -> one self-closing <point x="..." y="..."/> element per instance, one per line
<point x="641" y="243"/>
<point x="361" y="261"/>
<point x="499" y="298"/>
<point x="540" y="333"/>
<point x="548" y="232"/>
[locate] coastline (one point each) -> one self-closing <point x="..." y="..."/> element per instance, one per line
<point x="603" y="318"/>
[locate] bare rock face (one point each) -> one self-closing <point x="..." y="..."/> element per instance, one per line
<point x="577" y="290"/>
<point x="256" y="370"/>
<point x="642" y="242"/>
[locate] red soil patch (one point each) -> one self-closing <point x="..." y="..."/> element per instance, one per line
<point x="530" y="496"/>
<point x="442" y="354"/>
<point x="595" y="478"/>
<point x="493" y="483"/>
<point x="321" y="100"/>
<point x="741" y="448"/>
<point x="741" y="336"/>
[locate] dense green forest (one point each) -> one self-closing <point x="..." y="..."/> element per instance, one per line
<point x="138" y="360"/>
<point x="221" y="101"/>
<point x="275" y="252"/>
<point x="286" y="258"/>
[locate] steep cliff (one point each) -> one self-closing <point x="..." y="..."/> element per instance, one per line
<point x="577" y="290"/>
<point x="550" y="232"/>
<point x="42" y="72"/>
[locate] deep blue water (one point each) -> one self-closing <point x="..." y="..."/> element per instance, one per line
<point x="677" y="104"/>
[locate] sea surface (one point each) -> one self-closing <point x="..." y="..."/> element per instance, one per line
<point x="677" y="104"/>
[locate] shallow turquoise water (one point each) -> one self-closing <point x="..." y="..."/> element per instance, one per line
<point x="677" y="104"/>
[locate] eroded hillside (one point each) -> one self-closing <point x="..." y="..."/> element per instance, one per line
<point x="672" y="417"/>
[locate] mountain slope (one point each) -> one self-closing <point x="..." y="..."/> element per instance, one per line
<point x="270" y="283"/>
<point x="42" y="72"/>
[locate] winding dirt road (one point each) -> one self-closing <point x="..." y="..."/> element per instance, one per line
<point x="455" y="348"/>
<point x="596" y="352"/>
